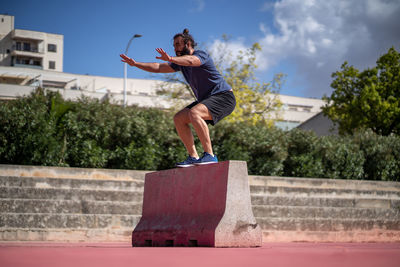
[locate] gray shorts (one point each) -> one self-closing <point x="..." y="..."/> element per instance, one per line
<point x="220" y="105"/>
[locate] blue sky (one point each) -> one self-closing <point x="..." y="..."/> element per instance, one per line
<point x="305" y="39"/>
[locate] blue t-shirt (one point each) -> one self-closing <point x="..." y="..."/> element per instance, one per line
<point x="204" y="80"/>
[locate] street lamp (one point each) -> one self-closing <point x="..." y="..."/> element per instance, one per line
<point x="125" y="64"/>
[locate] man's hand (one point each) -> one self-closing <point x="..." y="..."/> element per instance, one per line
<point x="128" y="60"/>
<point x="164" y="56"/>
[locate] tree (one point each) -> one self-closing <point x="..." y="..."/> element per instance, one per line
<point x="369" y="99"/>
<point x="255" y="102"/>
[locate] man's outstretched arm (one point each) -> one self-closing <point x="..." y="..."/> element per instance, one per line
<point x="187" y="60"/>
<point x="150" y="67"/>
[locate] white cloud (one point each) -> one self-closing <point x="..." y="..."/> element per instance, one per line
<point x="264" y="29"/>
<point x="198" y="5"/>
<point x="381" y="8"/>
<point x="317" y="36"/>
<point x="226" y="50"/>
<point x="267" y="6"/>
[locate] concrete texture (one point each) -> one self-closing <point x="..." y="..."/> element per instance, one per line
<point x="198" y="206"/>
<point x="56" y="204"/>
<point x="73" y="173"/>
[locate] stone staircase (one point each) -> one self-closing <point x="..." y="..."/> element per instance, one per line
<point x="84" y="205"/>
<point x="92" y="205"/>
<point x="326" y="210"/>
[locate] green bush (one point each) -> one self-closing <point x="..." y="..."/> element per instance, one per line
<point x="28" y="131"/>
<point x="44" y="129"/>
<point x="262" y="147"/>
<point x="340" y="158"/>
<point x="382" y="155"/>
<point x="303" y="159"/>
<point x="102" y="135"/>
<point x="325" y="157"/>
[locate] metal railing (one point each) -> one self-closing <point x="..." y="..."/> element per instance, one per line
<point x="27" y="66"/>
<point x="31" y="49"/>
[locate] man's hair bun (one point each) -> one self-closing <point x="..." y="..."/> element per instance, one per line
<point x="187" y="38"/>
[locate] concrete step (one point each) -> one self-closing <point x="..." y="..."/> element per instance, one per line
<point x="376" y="235"/>
<point x="315" y="224"/>
<point x="88" y="184"/>
<point x="69" y="206"/>
<point x="325" y="213"/>
<point x="325" y="201"/>
<point x="78" y="205"/>
<point x="323" y="183"/>
<point x="71" y="173"/>
<point x="71" y="221"/>
<point x="70" y="194"/>
<point x="323" y="192"/>
<point x="66" y="235"/>
<point x="125" y="235"/>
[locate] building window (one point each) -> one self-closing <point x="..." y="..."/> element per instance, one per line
<point x="52" y="65"/>
<point x="52" y="48"/>
<point x="27" y="47"/>
<point x="19" y="46"/>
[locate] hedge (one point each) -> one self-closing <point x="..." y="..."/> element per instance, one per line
<point x="44" y="129"/>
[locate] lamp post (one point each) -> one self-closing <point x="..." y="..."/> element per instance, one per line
<point x="125" y="64"/>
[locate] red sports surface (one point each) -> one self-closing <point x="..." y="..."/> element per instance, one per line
<point x="270" y="254"/>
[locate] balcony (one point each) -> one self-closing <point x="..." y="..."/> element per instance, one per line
<point x="29" y="51"/>
<point x="28" y="66"/>
<point x="27" y="62"/>
<point x="28" y="35"/>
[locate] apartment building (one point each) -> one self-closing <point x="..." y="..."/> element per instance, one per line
<point x="29" y="49"/>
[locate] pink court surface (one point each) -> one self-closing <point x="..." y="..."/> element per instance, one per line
<point x="270" y="254"/>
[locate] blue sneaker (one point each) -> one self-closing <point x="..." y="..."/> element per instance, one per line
<point x="187" y="163"/>
<point x="206" y="159"/>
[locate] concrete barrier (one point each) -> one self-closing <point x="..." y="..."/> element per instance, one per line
<point x="198" y="206"/>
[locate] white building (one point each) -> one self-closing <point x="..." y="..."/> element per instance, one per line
<point x="33" y="49"/>
<point x="320" y="124"/>
<point x="17" y="81"/>
<point x="29" y="59"/>
<point x="296" y="110"/>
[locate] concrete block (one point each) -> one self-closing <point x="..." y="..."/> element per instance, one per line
<point x="198" y="206"/>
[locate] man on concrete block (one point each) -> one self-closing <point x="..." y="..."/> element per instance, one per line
<point x="215" y="98"/>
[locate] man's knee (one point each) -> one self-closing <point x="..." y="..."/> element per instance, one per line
<point x="181" y="117"/>
<point x="200" y="112"/>
<point x="194" y="114"/>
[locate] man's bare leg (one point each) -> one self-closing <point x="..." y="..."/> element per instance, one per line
<point x="182" y="120"/>
<point x="198" y="114"/>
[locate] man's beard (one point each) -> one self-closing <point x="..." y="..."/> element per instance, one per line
<point x="185" y="51"/>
